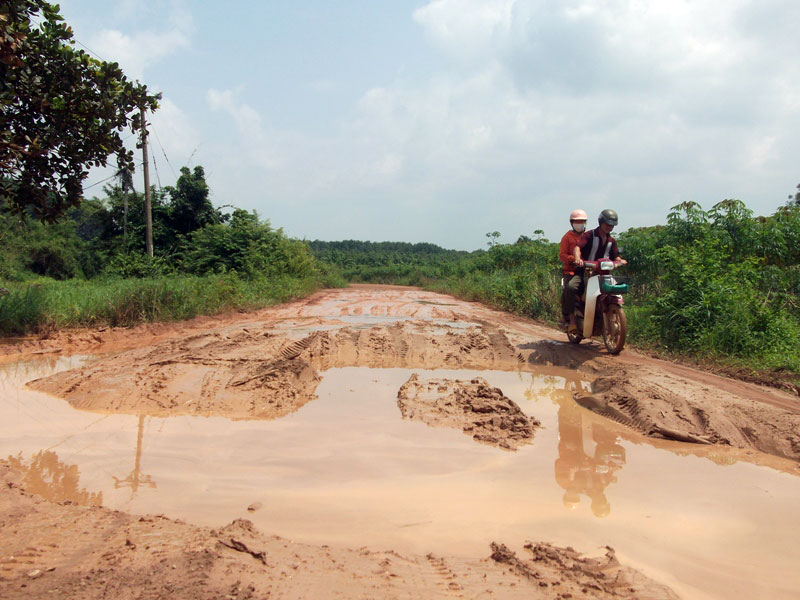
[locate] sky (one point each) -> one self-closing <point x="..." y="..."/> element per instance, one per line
<point x="444" y="120"/>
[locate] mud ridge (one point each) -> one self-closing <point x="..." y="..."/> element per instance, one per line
<point x="568" y="574"/>
<point x="260" y="372"/>
<point x="479" y="410"/>
<point x="666" y="407"/>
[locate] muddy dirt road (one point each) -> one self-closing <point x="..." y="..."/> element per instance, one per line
<point x="386" y="442"/>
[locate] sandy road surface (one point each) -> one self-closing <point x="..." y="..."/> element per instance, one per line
<point x="268" y="364"/>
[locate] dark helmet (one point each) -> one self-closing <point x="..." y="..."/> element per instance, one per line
<point x="609" y="217"/>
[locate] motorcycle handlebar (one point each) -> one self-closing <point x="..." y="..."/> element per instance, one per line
<point x="595" y="264"/>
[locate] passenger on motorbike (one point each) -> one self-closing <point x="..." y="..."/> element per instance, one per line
<point x="577" y="220"/>
<point x="594" y="245"/>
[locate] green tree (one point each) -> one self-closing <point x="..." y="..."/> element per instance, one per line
<point x="132" y="220"/>
<point x="61" y="111"/>
<point x="190" y="207"/>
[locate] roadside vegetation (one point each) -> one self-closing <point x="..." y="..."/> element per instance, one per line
<point x="67" y="261"/>
<point x="719" y="285"/>
<point x="90" y="268"/>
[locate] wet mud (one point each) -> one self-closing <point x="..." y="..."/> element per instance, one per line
<point x="92" y="552"/>
<point x="568" y="574"/>
<point x="478" y="409"/>
<point x="261" y="373"/>
<point x="664" y="406"/>
<point x="269" y="367"/>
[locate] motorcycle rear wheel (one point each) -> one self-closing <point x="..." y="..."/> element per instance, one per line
<point x="615" y="328"/>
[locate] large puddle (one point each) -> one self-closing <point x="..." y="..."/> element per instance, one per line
<point x="347" y="469"/>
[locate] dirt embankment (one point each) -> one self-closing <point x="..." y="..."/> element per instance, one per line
<point x="664" y="406"/>
<point x="62" y="550"/>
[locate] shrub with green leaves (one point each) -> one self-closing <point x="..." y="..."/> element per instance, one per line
<point x="137" y="265"/>
<point x="246" y="245"/>
<point x="719" y="283"/>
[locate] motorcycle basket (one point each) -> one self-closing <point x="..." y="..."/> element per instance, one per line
<point x="610" y="284"/>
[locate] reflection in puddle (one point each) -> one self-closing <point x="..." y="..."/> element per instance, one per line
<point x="50" y="478"/>
<point x="135" y="478"/>
<point x="347" y="469"/>
<point x="582" y="473"/>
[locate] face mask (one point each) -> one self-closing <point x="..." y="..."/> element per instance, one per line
<point x="579" y="227"/>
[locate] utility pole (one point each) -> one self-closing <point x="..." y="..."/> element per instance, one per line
<point x="147" y="206"/>
<point x="126" y="184"/>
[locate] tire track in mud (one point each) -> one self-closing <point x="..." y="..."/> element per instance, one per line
<point x="661" y="405"/>
<point x="264" y="373"/>
<point x="565" y="573"/>
<point x="668" y="408"/>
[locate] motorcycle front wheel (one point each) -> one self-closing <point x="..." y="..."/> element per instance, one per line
<point x="615" y="328"/>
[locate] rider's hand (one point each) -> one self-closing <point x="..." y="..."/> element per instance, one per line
<point x="622" y="261"/>
<point x="579" y="262"/>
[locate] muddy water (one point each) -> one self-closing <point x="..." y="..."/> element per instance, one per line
<point x="347" y="469"/>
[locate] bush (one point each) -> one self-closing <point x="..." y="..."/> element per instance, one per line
<point x="137" y="265"/>
<point x="719" y="284"/>
<point x="246" y="246"/>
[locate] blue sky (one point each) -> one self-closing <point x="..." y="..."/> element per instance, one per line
<point x="440" y="121"/>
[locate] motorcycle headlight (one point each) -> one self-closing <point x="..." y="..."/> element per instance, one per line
<point x="606" y="265"/>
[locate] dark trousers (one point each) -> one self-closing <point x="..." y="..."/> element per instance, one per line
<point x="572" y="287"/>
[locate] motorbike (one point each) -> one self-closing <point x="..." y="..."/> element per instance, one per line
<point x="599" y="311"/>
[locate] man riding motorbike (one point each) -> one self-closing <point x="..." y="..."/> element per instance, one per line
<point x="577" y="221"/>
<point x="593" y="245"/>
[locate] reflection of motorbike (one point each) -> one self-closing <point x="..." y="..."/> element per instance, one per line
<point x="579" y="472"/>
<point x="599" y="311"/>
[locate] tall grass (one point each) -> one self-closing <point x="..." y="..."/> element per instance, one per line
<point x="47" y="305"/>
<point x="532" y="293"/>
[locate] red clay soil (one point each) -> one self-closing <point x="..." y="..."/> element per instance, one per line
<point x="266" y="364"/>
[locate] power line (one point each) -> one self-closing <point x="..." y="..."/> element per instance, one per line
<point x="155" y="166"/>
<point x="88" y="187"/>
<point x="163" y="151"/>
<point x="96" y="55"/>
<point x="96" y="183"/>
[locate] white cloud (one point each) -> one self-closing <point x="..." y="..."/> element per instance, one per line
<point x="466" y="28"/>
<point x="174" y="132"/>
<point x="247" y="119"/>
<point x="389" y="165"/>
<point x="140" y="46"/>
<point x="595" y="102"/>
<point x="762" y="151"/>
<point x="254" y="144"/>
<point x="138" y="51"/>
